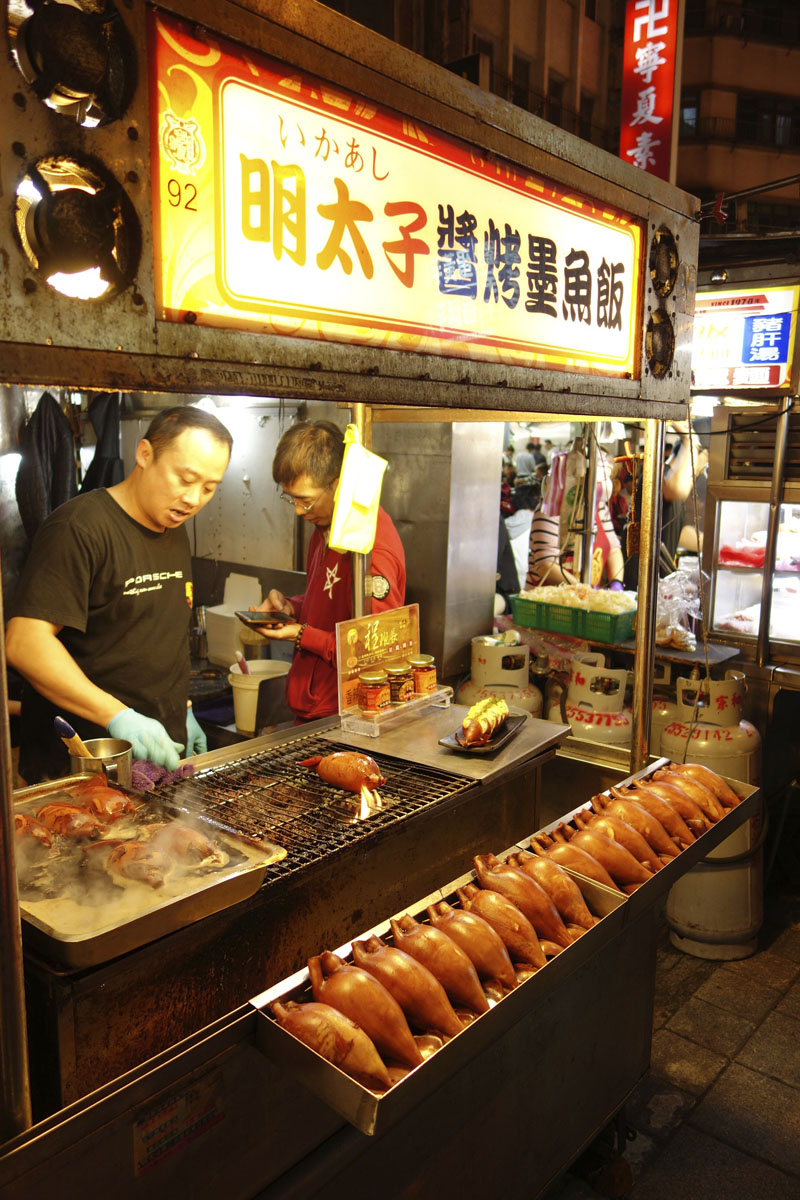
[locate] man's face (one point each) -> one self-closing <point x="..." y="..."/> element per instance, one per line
<point x="176" y="484"/>
<point x="312" y="502"/>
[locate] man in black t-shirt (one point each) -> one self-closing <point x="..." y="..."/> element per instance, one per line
<point x="101" y="616"/>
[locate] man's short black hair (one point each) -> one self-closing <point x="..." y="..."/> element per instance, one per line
<point x="172" y="422"/>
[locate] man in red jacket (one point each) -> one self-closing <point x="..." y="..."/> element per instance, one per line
<point x="307" y="465"/>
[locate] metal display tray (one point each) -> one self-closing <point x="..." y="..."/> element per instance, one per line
<point x="373" y="1112"/>
<point x="657" y="887"/>
<point x="60" y="931"/>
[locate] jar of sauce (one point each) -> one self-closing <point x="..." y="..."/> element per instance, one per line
<point x="424" y="671"/>
<point x="373" y="692"/>
<point x="401" y="682"/>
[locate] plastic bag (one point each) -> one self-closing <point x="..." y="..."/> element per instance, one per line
<point x="678" y="609"/>
<point x="355" y="510"/>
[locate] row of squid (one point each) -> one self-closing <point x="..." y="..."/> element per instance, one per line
<point x="378" y="1016"/>
<point x="147" y="854"/>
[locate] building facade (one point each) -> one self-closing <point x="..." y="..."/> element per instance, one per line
<point x="740" y="111"/>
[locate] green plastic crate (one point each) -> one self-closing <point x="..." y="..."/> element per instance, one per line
<point x="574" y="622"/>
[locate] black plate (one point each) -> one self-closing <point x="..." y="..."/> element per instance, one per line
<point x="504" y="734"/>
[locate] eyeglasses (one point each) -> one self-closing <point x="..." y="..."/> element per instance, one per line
<point x="301" y="504"/>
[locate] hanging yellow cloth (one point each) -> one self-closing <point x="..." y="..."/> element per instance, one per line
<point x="355" y="511"/>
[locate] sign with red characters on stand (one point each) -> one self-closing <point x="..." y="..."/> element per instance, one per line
<point x="648" y="84"/>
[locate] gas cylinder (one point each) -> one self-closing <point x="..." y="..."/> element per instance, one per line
<point x="712" y="731"/>
<point x="715" y="911"/>
<point x="595" y="702"/>
<point x="500" y="669"/>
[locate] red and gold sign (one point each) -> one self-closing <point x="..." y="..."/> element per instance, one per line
<point x="373" y="641"/>
<point x="648" y="84"/>
<point x="287" y="206"/>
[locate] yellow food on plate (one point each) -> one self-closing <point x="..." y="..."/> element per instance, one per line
<point x="482" y="721"/>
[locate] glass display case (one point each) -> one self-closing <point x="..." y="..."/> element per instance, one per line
<point x="751" y="551"/>
<point x="742" y="529"/>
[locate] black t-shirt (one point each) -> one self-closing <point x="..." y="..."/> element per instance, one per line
<point x="124" y="596"/>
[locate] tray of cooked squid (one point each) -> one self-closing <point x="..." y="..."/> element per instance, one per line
<point x="102" y="870"/>
<point x="374" y="1026"/>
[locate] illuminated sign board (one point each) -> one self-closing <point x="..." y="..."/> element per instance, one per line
<point x="648" y="84"/>
<point x="288" y="206"/>
<point x="744" y="338"/>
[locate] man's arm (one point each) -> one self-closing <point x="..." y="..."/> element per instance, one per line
<point x="34" y="649"/>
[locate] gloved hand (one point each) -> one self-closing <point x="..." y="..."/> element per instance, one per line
<point x="147" y="736"/>
<point x="195" y="738"/>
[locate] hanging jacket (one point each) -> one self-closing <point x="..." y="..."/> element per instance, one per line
<point x="46" y="475"/>
<point x="106" y="468"/>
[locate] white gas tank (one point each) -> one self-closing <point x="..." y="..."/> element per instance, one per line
<point x="500" y="669"/>
<point x="595" y="702"/>
<point x="709" y="728"/>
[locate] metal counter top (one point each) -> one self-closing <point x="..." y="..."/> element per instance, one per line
<point x="417" y="741"/>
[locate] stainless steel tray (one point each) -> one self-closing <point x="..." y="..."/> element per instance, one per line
<point x="75" y="934"/>
<point x="671" y="872"/>
<point x="372" y="1112"/>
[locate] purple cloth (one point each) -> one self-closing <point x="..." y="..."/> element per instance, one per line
<point x="146" y="775"/>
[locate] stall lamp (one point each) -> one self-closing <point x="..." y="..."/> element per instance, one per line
<point x="77" y="228"/>
<point x="719" y="276"/>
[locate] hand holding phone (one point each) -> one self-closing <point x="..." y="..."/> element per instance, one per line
<point x="253" y="619"/>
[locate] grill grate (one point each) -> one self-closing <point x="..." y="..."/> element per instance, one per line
<point x="267" y="796"/>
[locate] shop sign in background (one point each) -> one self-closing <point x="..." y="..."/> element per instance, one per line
<point x="744" y="338"/>
<point x="284" y="205"/>
<point x="648" y="84"/>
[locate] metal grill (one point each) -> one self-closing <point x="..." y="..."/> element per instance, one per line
<point x="268" y="796"/>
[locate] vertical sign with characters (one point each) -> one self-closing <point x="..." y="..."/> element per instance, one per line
<point x="648" y="83"/>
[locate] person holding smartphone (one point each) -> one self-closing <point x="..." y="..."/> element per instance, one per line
<point x="306" y="468"/>
<point x="100" y="621"/>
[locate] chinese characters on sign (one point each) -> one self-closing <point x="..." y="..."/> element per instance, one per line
<point x="744" y="339"/>
<point x="373" y="641"/>
<point x="648" y="82"/>
<point x="285" y="205"/>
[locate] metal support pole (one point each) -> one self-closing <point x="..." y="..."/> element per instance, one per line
<point x="650" y="544"/>
<point x="589" y="507"/>
<point x="358" y="416"/>
<point x="775" y="495"/>
<point x="16" y="1100"/>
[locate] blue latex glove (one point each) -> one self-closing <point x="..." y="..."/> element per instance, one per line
<point x="195" y="738"/>
<point x="148" y="738"/>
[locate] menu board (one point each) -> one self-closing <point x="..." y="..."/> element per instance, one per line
<point x="373" y="641"/>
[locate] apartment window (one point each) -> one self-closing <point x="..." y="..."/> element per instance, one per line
<point x="555" y="100"/>
<point x="768" y="120"/>
<point x="482" y="45"/>
<point x="520" y="81"/>
<point x="695" y="18"/>
<point x="690" y="105"/>
<point x="585" y="117"/>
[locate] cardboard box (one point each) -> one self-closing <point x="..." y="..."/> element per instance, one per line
<point x="222" y="624"/>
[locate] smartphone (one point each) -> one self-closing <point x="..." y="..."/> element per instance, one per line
<point x="253" y="619"/>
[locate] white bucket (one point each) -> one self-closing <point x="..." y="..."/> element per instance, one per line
<point x="245" y="689"/>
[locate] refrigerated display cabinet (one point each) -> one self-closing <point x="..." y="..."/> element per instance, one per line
<point x="751" y="550"/>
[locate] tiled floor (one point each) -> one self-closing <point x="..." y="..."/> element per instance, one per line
<point x="718" y="1116"/>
